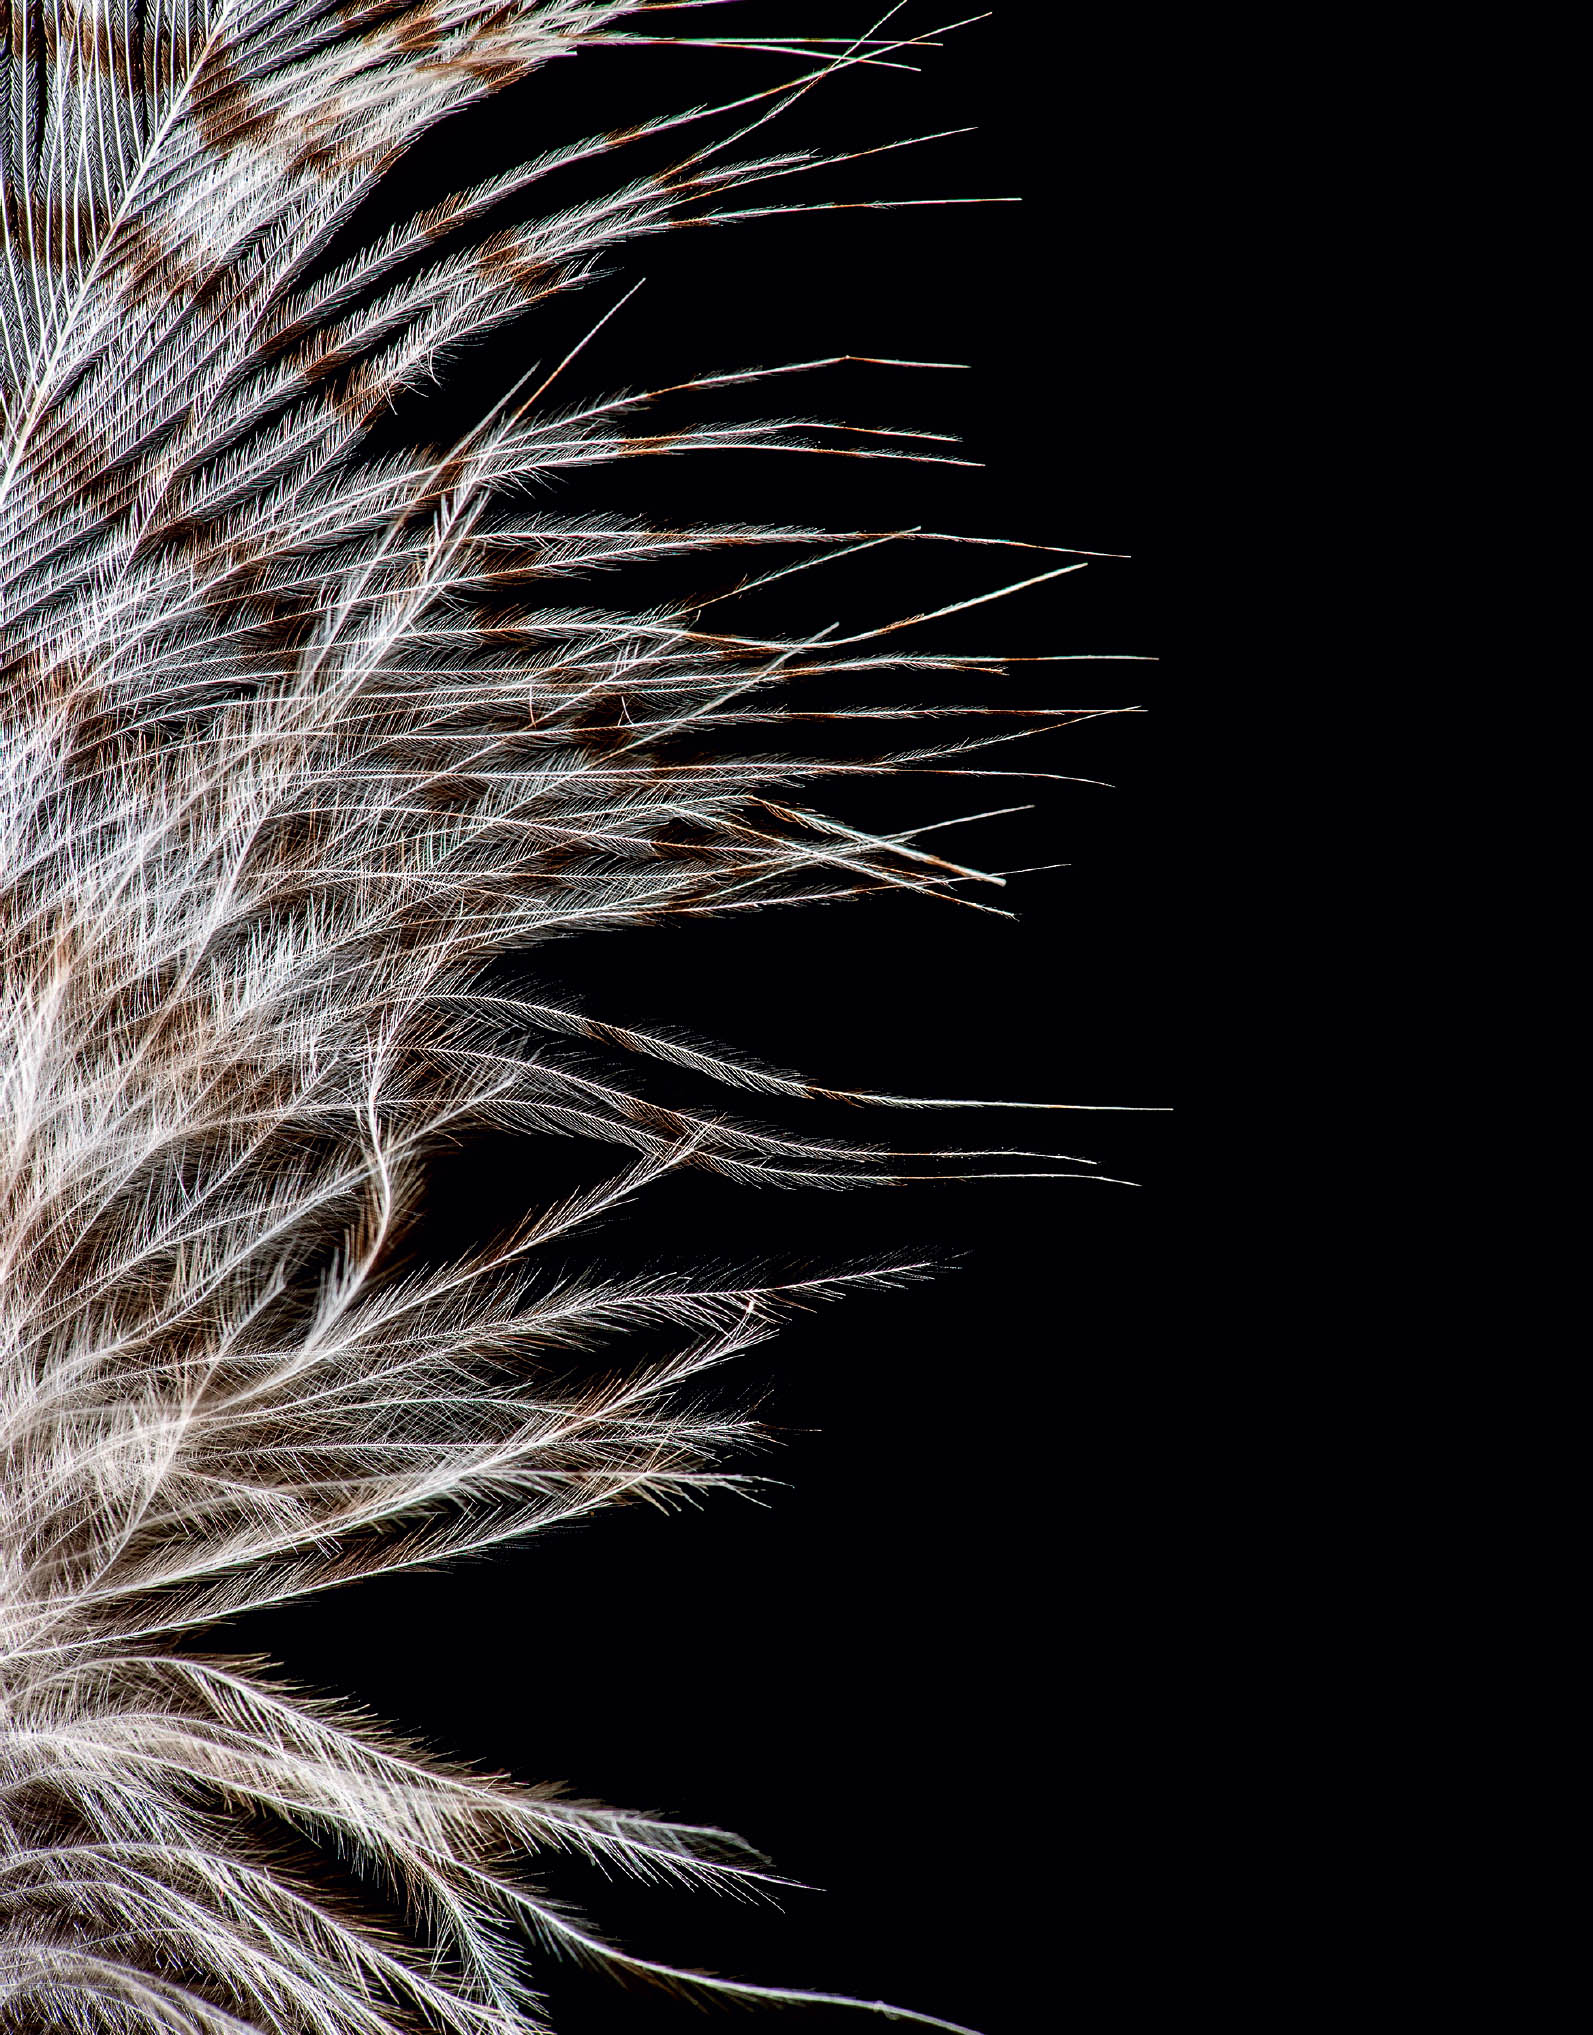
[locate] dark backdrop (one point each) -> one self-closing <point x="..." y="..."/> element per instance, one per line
<point x="943" y="1674"/>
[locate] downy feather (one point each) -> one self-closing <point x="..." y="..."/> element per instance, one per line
<point x="296" y="738"/>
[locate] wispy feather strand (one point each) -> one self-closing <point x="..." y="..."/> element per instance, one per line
<point x="295" y="740"/>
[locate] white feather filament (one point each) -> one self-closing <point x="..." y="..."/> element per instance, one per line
<point x="296" y="739"/>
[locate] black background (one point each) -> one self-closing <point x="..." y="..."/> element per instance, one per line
<point x="943" y="1673"/>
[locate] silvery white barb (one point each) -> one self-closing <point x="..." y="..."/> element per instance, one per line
<point x="295" y="739"/>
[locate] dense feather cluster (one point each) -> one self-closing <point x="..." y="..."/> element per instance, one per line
<point x="293" y="740"/>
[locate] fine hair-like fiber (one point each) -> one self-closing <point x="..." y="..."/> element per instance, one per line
<point x="300" y="733"/>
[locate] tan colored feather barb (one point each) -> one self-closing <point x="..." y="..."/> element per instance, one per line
<point x="294" y="739"/>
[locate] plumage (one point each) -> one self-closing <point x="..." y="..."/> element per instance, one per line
<point x="298" y="736"/>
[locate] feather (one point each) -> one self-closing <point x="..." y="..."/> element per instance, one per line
<point x="298" y="735"/>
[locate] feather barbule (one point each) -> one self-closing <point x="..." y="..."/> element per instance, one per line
<point x="298" y="736"/>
